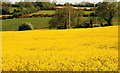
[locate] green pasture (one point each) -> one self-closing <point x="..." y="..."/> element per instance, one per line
<point x="78" y="7"/>
<point x="88" y="12"/>
<point x="13" y="24"/>
<point x="53" y="11"/>
<point x="5" y="15"/>
<point x="44" y="12"/>
<point x="86" y="7"/>
<point x="11" y="9"/>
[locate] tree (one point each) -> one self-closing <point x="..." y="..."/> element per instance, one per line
<point x="45" y="5"/>
<point x="107" y="11"/>
<point x="89" y="4"/>
<point x="119" y="9"/>
<point x="8" y="4"/>
<point x="17" y="14"/>
<point x="67" y="4"/>
<point x="5" y="10"/>
<point x="53" y="23"/>
<point x="4" y="4"/>
<point x="109" y="0"/>
<point x="29" y="4"/>
<point x="100" y="21"/>
<point x="98" y="4"/>
<point x="79" y="14"/>
<point x="21" y="5"/>
<point x="61" y="18"/>
<point x="48" y="5"/>
<point x="40" y="4"/>
<point x="92" y="19"/>
<point x="54" y="2"/>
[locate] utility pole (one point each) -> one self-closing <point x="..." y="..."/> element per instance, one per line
<point x="69" y="17"/>
<point x="94" y="4"/>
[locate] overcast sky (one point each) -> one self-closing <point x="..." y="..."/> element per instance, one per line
<point x="64" y="1"/>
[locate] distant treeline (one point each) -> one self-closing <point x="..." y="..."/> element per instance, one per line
<point x="22" y="13"/>
<point x="22" y="8"/>
<point x="82" y="4"/>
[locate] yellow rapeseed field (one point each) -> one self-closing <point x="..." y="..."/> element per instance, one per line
<point x="91" y="49"/>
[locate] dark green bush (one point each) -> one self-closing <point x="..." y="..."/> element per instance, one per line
<point x="86" y="25"/>
<point x="60" y="27"/>
<point x="96" y="25"/>
<point x="25" y="26"/>
<point x="16" y="14"/>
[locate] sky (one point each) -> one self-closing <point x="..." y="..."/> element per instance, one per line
<point x="64" y="1"/>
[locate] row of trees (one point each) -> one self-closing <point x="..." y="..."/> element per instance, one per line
<point x="28" y="7"/>
<point x="82" y="4"/>
<point x="86" y="4"/>
<point x="24" y="7"/>
<point x="105" y="12"/>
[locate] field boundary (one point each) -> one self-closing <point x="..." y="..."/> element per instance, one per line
<point x="68" y="25"/>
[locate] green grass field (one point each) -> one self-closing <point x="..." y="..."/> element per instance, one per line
<point x="13" y="24"/>
<point x="88" y="12"/>
<point x="116" y="23"/>
<point x="53" y="11"/>
<point x="77" y="7"/>
<point x="11" y="9"/>
<point x="44" y="12"/>
<point x="5" y="15"/>
<point x="86" y="7"/>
